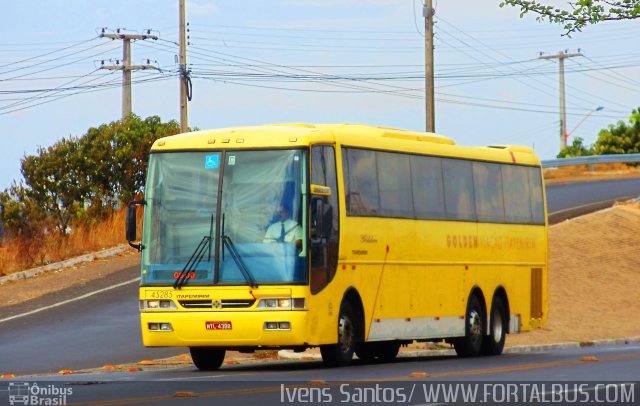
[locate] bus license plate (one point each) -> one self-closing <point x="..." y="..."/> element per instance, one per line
<point x="218" y="325"/>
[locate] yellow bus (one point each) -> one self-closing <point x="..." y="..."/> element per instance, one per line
<point x="350" y="238"/>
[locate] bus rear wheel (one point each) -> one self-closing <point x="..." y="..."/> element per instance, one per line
<point x="471" y="344"/>
<point x="388" y="351"/>
<point x="341" y="353"/>
<point x="207" y="358"/>
<point x="494" y="342"/>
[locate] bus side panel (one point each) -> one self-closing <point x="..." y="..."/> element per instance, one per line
<point x="408" y="288"/>
<point x="414" y="277"/>
<point x="514" y="256"/>
<point x="324" y="307"/>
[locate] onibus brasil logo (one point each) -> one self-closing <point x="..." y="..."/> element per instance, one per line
<point x="25" y="393"/>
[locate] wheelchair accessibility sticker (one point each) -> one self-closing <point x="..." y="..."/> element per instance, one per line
<point x="211" y="161"/>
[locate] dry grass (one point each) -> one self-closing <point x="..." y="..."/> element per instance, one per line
<point x="584" y="172"/>
<point x="266" y="354"/>
<point x="20" y="254"/>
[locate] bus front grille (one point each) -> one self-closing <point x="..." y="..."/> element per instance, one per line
<point x="237" y="303"/>
<point x="196" y="304"/>
<point x="224" y="304"/>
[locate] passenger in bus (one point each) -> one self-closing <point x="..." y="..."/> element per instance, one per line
<point x="285" y="229"/>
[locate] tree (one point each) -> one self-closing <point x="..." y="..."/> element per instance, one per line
<point x="576" y="149"/>
<point x="22" y="217"/>
<point x="114" y="159"/>
<point x="82" y="179"/>
<point x="581" y="13"/>
<point x="53" y="182"/>
<point x="622" y="138"/>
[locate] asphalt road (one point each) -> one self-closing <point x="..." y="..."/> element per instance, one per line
<point x="104" y="328"/>
<point x="589" y="373"/>
<point x="565" y="200"/>
<point x="98" y="330"/>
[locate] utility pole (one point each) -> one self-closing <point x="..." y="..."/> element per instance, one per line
<point x="561" y="56"/>
<point x="428" y="12"/>
<point x="184" y="74"/>
<point x="126" y="66"/>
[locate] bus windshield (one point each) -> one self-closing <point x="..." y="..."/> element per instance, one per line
<point x="225" y="218"/>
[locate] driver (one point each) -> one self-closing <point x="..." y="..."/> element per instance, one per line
<point x="285" y="229"/>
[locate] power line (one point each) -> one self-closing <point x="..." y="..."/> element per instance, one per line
<point x="93" y="56"/>
<point x="126" y="67"/>
<point x="89" y="89"/>
<point x="561" y="56"/>
<point x="535" y="87"/>
<point x="283" y="69"/>
<point x="48" y="53"/>
<point x="286" y="29"/>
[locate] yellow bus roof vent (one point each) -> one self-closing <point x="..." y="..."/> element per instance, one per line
<point x="514" y="148"/>
<point x="415" y="136"/>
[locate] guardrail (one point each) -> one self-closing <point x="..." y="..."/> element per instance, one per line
<point x="590" y="160"/>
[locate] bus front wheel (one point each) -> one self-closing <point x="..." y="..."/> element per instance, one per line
<point x="341" y="353"/>
<point x="471" y="344"/>
<point x="366" y="351"/>
<point x="207" y="358"/>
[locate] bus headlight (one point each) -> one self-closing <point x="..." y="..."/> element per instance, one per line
<point x="277" y="325"/>
<point x="159" y="327"/>
<point x="155" y="304"/>
<point x="282" y="303"/>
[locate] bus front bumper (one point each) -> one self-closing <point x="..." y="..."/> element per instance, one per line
<point x="224" y="329"/>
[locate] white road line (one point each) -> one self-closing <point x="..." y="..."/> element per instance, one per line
<point x="623" y="348"/>
<point x="95" y="292"/>
<point x="199" y="378"/>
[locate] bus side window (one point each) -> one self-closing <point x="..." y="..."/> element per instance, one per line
<point x="458" y="189"/>
<point x="324" y="218"/>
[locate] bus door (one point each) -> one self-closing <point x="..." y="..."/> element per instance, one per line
<point x="325" y="217"/>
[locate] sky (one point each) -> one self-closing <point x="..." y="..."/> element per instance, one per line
<point x="331" y="61"/>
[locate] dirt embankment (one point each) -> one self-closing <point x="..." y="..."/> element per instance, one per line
<point x="585" y="173"/>
<point x="594" y="274"/>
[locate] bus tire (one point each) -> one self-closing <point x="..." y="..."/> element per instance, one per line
<point x="207" y="358"/>
<point x="341" y="353"/>
<point x="471" y="344"/>
<point x="494" y="342"/>
<point x="366" y="351"/>
<point x="388" y="351"/>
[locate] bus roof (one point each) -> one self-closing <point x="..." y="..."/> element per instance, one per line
<point x="354" y="135"/>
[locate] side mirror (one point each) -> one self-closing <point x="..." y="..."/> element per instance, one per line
<point x="320" y="190"/>
<point x="131" y="221"/>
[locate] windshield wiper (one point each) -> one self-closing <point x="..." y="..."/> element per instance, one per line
<point x="195" y="258"/>
<point x="226" y="241"/>
<point x="193" y="262"/>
